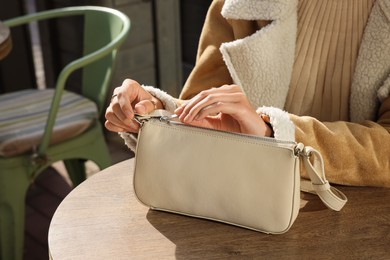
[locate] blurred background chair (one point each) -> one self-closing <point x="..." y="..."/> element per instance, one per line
<point x="40" y="127"/>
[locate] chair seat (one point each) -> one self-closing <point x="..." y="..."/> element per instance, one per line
<point x="27" y="111"/>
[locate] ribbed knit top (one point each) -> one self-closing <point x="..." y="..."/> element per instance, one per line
<point x="328" y="41"/>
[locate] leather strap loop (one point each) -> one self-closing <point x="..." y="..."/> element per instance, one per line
<point x="330" y="196"/>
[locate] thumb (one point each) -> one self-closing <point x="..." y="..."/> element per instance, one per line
<point x="144" y="107"/>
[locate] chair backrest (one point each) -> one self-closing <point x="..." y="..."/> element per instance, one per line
<point x="100" y="28"/>
<point x="105" y="29"/>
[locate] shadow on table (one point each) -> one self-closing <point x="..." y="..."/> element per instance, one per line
<point x="205" y="239"/>
<point x="360" y="231"/>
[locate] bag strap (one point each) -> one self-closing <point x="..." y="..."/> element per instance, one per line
<point x="330" y="196"/>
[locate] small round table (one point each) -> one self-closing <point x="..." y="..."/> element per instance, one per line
<point x="5" y="41"/>
<point x="102" y="219"/>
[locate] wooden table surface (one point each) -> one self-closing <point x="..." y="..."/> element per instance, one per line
<point x="5" y="41"/>
<point x="101" y="219"/>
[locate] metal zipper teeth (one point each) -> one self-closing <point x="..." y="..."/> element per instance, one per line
<point x="265" y="139"/>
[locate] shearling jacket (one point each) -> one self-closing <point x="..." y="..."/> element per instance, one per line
<point x="356" y="152"/>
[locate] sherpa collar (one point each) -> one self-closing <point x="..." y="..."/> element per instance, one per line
<point x="272" y="76"/>
<point x="257" y="9"/>
<point x="372" y="72"/>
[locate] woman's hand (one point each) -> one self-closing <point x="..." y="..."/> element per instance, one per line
<point x="128" y="99"/>
<point x="225" y="108"/>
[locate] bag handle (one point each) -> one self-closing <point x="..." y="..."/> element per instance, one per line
<point x="330" y="196"/>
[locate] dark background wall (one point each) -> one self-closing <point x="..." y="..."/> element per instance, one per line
<point x="11" y="68"/>
<point x="192" y="15"/>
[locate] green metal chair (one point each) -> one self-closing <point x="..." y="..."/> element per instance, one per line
<point x="105" y="30"/>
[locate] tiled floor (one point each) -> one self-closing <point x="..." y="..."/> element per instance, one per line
<point x="47" y="192"/>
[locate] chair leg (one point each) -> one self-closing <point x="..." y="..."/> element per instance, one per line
<point x="97" y="152"/>
<point x="13" y="187"/>
<point x="76" y="170"/>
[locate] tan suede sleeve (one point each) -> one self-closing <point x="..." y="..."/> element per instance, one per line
<point x="354" y="154"/>
<point x="210" y="69"/>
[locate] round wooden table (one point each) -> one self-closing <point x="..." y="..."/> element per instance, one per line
<point x="5" y="41"/>
<point x="101" y="219"/>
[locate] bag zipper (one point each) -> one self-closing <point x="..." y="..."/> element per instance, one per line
<point x="169" y="119"/>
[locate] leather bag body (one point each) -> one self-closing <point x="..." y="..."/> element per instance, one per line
<point x="247" y="181"/>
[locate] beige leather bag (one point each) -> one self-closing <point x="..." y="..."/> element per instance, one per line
<point x="247" y="181"/>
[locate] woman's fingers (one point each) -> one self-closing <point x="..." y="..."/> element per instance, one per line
<point x="126" y="94"/>
<point x="203" y="94"/>
<point x="216" y="108"/>
<point x="127" y="99"/>
<point x="119" y="113"/>
<point x="189" y="109"/>
<point x="113" y="127"/>
<point x="214" y="100"/>
<point x="127" y="125"/>
<point x="234" y="117"/>
<point x="145" y="106"/>
<point x="212" y="103"/>
<point x="235" y="112"/>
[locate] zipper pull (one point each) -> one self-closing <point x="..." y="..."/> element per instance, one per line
<point x="162" y="115"/>
<point x="167" y="119"/>
<point x="140" y="119"/>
